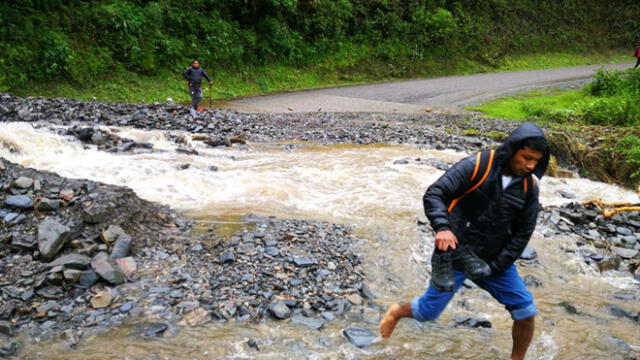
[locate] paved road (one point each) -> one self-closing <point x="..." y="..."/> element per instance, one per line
<point x="413" y="96"/>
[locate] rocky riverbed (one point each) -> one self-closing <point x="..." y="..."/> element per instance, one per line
<point x="79" y="257"/>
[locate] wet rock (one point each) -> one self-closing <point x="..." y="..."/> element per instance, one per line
<point x="359" y="337"/>
<point x="6" y="329"/>
<point x="107" y="268"/>
<point x="566" y="194"/>
<point x="366" y="292"/>
<point x="150" y="329"/>
<point x="279" y="309"/>
<point x="52" y="236"/>
<point x="621" y="312"/>
<point x="72" y="261"/>
<point x="10" y="349"/>
<point x="313" y="323"/>
<point x="532" y="281"/>
<point x="529" y="253"/>
<point x="570" y="308"/>
<point x="614" y="344"/>
<point x="198" y="317"/>
<point x="71" y="337"/>
<point x="468" y="321"/>
<point x="253" y="344"/>
<point x="611" y="262"/>
<point x="22" y="202"/>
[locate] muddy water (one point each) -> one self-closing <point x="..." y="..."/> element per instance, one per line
<point x="356" y="185"/>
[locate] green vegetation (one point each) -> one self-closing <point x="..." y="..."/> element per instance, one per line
<point x="134" y="50"/>
<point x="605" y="114"/>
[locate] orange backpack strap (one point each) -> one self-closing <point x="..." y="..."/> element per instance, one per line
<point x="485" y="173"/>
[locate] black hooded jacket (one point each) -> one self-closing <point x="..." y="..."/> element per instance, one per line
<point x="495" y="223"/>
<point x="195" y="75"/>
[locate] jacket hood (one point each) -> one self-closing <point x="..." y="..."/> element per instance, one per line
<point x="512" y="143"/>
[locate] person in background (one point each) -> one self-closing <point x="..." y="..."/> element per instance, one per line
<point x="637" y="54"/>
<point x="194" y="74"/>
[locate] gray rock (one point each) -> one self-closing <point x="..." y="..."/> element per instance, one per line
<point x="49" y="204"/>
<point x="72" y="275"/>
<point x="88" y="278"/>
<point x="359" y="337"/>
<point x="72" y="261"/>
<point x="22" y="202"/>
<point x="624" y="253"/>
<point x="126" y="306"/>
<point x="107" y="268"/>
<point x="112" y="233"/>
<point x="468" y="321"/>
<point x="97" y="213"/>
<point x="313" y="323"/>
<point x="272" y="251"/>
<point x="24" y="241"/>
<point x="11" y="216"/>
<point x="10" y="349"/>
<point x="532" y="281"/>
<point x="279" y="309"/>
<point x="624" y="231"/>
<point x="122" y="247"/>
<point x="614" y="344"/>
<point x="23" y="182"/>
<point x="226" y="257"/>
<point x="304" y="262"/>
<point x="52" y="236"/>
<point x="6" y="329"/>
<point x="150" y="329"/>
<point x="629" y="241"/>
<point x="621" y="312"/>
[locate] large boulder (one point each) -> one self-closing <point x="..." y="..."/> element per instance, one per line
<point x="51" y="238"/>
<point x="107" y="268"/>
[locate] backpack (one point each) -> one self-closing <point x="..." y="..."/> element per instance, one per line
<point x="484" y="162"/>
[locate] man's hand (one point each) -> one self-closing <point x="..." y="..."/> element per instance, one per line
<point x="446" y="239"/>
<point x="210" y="83"/>
<point x="190" y="84"/>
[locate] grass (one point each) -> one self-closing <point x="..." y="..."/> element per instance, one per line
<point x="353" y="65"/>
<point x="533" y="103"/>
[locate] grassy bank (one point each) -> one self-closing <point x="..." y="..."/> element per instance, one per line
<point x="345" y="68"/>
<point x="596" y="128"/>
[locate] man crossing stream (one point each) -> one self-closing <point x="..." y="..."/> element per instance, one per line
<point x="485" y="205"/>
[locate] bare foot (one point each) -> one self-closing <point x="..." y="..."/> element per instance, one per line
<point x="390" y="320"/>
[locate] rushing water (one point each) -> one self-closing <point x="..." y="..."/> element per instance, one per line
<point x="355" y="185"/>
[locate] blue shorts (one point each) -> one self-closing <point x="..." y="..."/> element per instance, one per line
<point x="507" y="287"/>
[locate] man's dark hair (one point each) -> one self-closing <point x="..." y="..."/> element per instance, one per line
<point x="535" y="143"/>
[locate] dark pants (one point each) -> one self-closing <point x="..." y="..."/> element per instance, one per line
<point x="196" y="94"/>
<point x="637" y="62"/>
